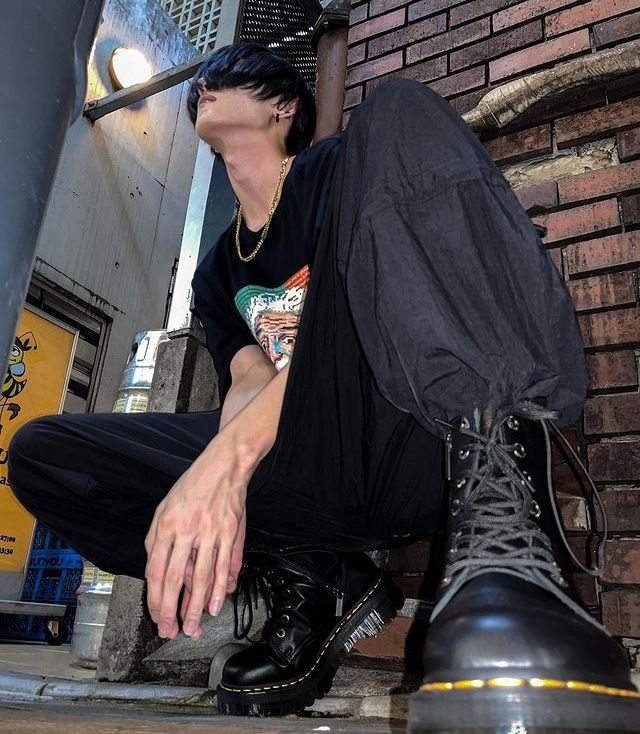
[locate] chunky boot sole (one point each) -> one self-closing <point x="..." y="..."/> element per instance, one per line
<point x="523" y="706"/>
<point x="366" y="618"/>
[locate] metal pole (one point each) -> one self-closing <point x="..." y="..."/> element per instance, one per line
<point x="43" y="78"/>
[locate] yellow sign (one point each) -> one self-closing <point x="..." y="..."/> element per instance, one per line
<point x="34" y="385"/>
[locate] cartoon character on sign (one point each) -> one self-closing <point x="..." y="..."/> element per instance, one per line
<point x="15" y="380"/>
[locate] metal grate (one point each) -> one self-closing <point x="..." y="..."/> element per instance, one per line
<point x="198" y="19"/>
<point x="283" y="27"/>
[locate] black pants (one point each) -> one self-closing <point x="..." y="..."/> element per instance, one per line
<point x="430" y="294"/>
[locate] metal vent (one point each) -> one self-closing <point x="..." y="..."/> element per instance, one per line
<point x="198" y="19"/>
<point x="284" y="27"/>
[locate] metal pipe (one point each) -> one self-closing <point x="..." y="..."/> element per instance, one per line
<point x="329" y="42"/>
<point x="42" y="90"/>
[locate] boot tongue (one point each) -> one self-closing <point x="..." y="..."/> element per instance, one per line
<point x="320" y="563"/>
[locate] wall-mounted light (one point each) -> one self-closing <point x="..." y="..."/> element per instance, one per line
<point x="128" y="66"/>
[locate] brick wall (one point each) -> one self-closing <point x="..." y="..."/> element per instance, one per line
<point x="574" y="162"/>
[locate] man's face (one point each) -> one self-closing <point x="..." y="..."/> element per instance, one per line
<point x="224" y="110"/>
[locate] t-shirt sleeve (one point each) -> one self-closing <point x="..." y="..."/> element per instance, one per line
<point x="226" y="332"/>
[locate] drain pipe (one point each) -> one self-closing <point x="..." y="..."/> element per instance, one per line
<point x="329" y="43"/>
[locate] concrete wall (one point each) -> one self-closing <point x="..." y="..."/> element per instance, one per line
<point x="574" y="163"/>
<point x="114" y="223"/>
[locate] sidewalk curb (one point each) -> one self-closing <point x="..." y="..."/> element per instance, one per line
<point x="14" y="686"/>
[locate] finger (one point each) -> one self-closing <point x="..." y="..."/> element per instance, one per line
<point x="221" y="575"/>
<point x="173" y="583"/>
<point x="186" y="592"/>
<point x="150" y="537"/>
<point x="155" y="573"/>
<point x="236" y="554"/>
<point x="201" y="582"/>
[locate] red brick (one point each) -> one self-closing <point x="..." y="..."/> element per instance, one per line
<point x="616" y="30"/>
<point x="541" y="54"/>
<point x="475" y="8"/>
<point x="629" y="144"/>
<point x="617" y="461"/>
<point x="574" y="513"/>
<point x="622" y="87"/>
<point x="621" y="612"/>
<point x="608" y="370"/>
<point x="580" y="221"/>
<point x="377" y="67"/>
<point x="525" y="11"/>
<point x="539" y="197"/>
<point x="603" y="182"/>
<point x="590" y="125"/>
<point x="390" y="643"/>
<point x="429" y="7"/>
<point x="356" y="54"/>
<point x="609" y="414"/>
<point x="413" y="587"/>
<point x="374" y="26"/>
<point x="352" y="97"/>
<point x="586" y="14"/>
<point x="623" y="509"/>
<point x="566" y="480"/>
<point x="630" y="209"/>
<point x="622" y="561"/>
<point x="520" y="145"/>
<point x="465" y="102"/>
<point x="376" y="7"/>
<point x="447" y="41"/>
<point x="587" y="589"/>
<point x="603" y="291"/>
<point x="407" y="34"/>
<point x="607" y="252"/>
<point x="461" y="82"/>
<point x="423" y="72"/>
<point x="412" y="558"/>
<point x="610" y="327"/>
<point x="496" y="45"/>
<point x="358" y="14"/>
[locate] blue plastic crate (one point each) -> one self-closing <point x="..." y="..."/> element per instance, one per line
<point x="45" y="539"/>
<point x="53" y="576"/>
<point x="27" y="627"/>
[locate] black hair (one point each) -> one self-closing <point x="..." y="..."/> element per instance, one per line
<point x="266" y="75"/>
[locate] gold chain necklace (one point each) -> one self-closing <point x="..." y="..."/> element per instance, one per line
<point x="265" y="229"/>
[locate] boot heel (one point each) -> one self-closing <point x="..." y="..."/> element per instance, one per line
<point x="371" y="626"/>
<point x="375" y="614"/>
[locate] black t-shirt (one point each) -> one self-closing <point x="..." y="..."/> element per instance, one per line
<point x="261" y="301"/>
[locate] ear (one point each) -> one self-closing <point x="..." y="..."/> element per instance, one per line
<point x="287" y="109"/>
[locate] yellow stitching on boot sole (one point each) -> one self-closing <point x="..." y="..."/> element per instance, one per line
<point x="337" y="630"/>
<point x="573" y="685"/>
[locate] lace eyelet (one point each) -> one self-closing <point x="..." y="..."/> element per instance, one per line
<point x="519" y="451"/>
<point x="535" y="510"/>
<point x="280" y="633"/>
<point x="285" y="619"/>
<point x="460" y="483"/>
<point x="513" y="423"/>
<point x="463" y="453"/>
<point x="446" y="580"/>
<point x="464" y="423"/>
<point x="456" y="506"/>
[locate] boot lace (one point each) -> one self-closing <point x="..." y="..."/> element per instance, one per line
<point x="497" y="528"/>
<point x="272" y="587"/>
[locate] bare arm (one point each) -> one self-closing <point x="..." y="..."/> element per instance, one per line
<point x="197" y="533"/>
<point x="251" y="370"/>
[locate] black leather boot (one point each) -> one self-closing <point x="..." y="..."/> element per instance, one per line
<point x="509" y="650"/>
<point x="320" y="604"/>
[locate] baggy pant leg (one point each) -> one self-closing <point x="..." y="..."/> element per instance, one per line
<point x="96" y="479"/>
<point x="454" y="298"/>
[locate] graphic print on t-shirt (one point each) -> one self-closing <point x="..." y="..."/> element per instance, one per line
<point x="273" y="314"/>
